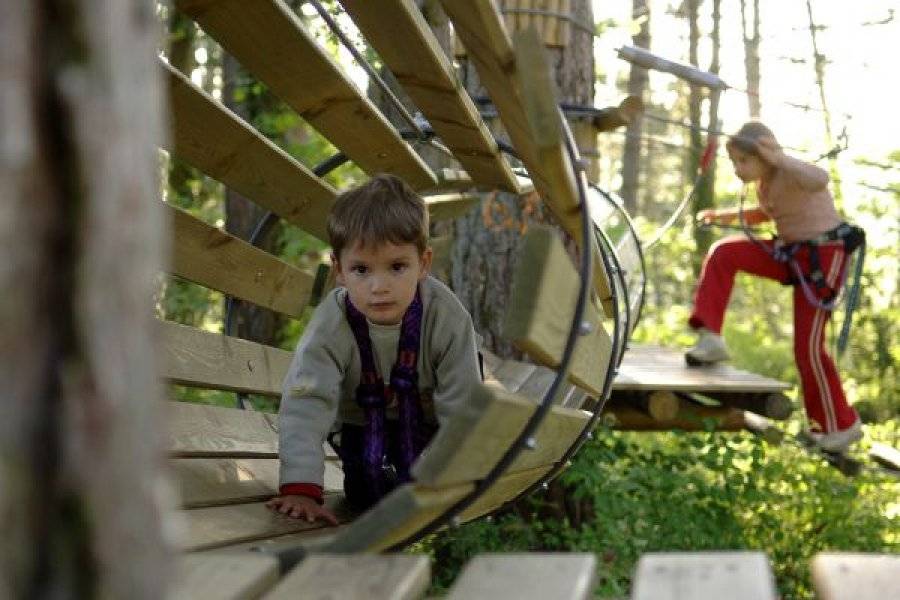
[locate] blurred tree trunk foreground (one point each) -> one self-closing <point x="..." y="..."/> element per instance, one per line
<point x="81" y="235"/>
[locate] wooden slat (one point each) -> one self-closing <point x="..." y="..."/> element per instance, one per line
<point x="545" y="290"/>
<point x="885" y="455"/>
<point x="442" y="207"/>
<point x="480" y="28"/>
<point x="216" y="141"/>
<point x="856" y="576"/>
<point x="223" y="576"/>
<point x="405" y="42"/>
<point x="201" y="431"/>
<point x="369" y="576"/>
<point x="481" y="431"/>
<point x="202" y="359"/>
<point x="218" y="526"/>
<point x="533" y="576"/>
<point x="218" y="481"/>
<point x="704" y="576"/>
<point x="218" y="260"/>
<point x="653" y="368"/>
<point x="504" y="490"/>
<point x="272" y="43"/>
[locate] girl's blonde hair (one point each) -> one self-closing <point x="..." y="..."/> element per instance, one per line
<point x="746" y="137"/>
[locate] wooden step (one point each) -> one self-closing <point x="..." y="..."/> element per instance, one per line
<point x="223" y="576"/>
<point x="855" y="576"/>
<point x="533" y="576"/>
<point x="704" y="576"/>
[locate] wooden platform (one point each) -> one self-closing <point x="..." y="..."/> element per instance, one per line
<point x="648" y="368"/>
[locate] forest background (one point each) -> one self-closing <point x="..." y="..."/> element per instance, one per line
<point x="816" y="83"/>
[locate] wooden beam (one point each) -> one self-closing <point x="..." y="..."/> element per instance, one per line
<point x="763" y="428"/>
<point x="704" y="576"/>
<point x="532" y="576"/>
<point x="223" y="576"/>
<point x="199" y="358"/>
<point x="773" y="405"/>
<point x="845" y="575"/>
<point x="542" y="302"/>
<point x="216" y="141"/>
<point x="442" y="207"/>
<point x="504" y="490"/>
<point x="885" y="455"/>
<point x="218" y="260"/>
<point x="482" y="429"/>
<point x="271" y="42"/>
<point x="690" y="418"/>
<point x="480" y="28"/>
<point x="405" y="42"/>
<point x="369" y="576"/>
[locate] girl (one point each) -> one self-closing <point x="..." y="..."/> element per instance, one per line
<point x="809" y="253"/>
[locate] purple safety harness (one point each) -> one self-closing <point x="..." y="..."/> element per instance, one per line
<point x="372" y="396"/>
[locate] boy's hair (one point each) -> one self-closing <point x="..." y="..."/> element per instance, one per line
<point x="383" y="209"/>
<point x="746" y="137"/>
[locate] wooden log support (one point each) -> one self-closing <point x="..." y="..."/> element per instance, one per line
<point x="369" y="576"/>
<point x="704" y="576"/>
<point x="219" y="143"/>
<point x="223" y="576"/>
<point x="533" y="576"/>
<point x="271" y="42"/>
<point x="220" y="261"/>
<point x="763" y="428"/>
<point x="661" y="405"/>
<point x="545" y="290"/>
<point x="208" y="360"/>
<point x="405" y="42"/>
<point x="690" y="418"/>
<point x="885" y="455"/>
<point x="856" y="576"/>
<point x="773" y="405"/>
<point x="480" y="27"/>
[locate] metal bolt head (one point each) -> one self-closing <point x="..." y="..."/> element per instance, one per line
<point x="590" y="435"/>
<point x="455" y="522"/>
<point x="545" y="486"/>
<point x="531" y="443"/>
<point x="585" y="328"/>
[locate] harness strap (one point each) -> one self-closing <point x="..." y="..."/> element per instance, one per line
<point x="372" y="396"/>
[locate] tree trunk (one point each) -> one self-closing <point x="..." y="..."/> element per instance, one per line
<point x="819" y="62"/>
<point x="249" y="321"/>
<point x="751" y="57"/>
<point x="702" y="237"/>
<point x="486" y="242"/>
<point x="81" y="232"/>
<point x="637" y="84"/>
<point x="706" y="193"/>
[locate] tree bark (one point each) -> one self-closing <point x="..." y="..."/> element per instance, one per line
<point x="706" y="193"/>
<point x="81" y="232"/>
<point x="637" y="85"/>
<point x="751" y="58"/>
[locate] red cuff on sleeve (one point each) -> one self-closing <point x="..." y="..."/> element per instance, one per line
<point x="310" y="490"/>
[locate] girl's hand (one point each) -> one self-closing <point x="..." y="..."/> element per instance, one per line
<point x="707" y="216"/>
<point x="301" y="507"/>
<point x="769" y="151"/>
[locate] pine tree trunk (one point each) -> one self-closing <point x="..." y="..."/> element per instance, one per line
<point x="751" y="58"/>
<point x="81" y="235"/>
<point x="637" y="84"/>
<point x="486" y="242"/>
<point x="706" y="193"/>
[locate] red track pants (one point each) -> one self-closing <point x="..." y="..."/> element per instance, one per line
<point x="826" y="405"/>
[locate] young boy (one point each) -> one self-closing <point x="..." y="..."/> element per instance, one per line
<point x="388" y="355"/>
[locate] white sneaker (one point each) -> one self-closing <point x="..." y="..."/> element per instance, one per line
<point x="709" y="349"/>
<point x="838" y="441"/>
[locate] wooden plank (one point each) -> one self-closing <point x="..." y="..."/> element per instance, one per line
<point x="404" y="41"/>
<point x="202" y="359"/>
<point x="223" y="576"/>
<point x="220" y="261"/>
<point x="480" y="27"/>
<point x="202" y="431"/>
<point x="442" y="207"/>
<point x="704" y="576"/>
<point x="217" y="481"/>
<point x="460" y="181"/>
<point x="216" y="141"/>
<point x="481" y="431"/>
<point x="542" y="302"/>
<point x="218" y="526"/>
<point x="654" y="368"/>
<point x="369" y="576"/>
<point x="885" y="455"/>
<point x="532" y="576"/>
<point x="504" y="490"/>
<point x="855" y="576"/>
<point x="271" y="42"/>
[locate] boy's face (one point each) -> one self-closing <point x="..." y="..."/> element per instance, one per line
<point x="382" y="280"/>
<point x="748" y="167"/>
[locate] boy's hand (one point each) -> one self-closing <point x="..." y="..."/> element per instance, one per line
<point x="769" y="150"/>
<point x="301" y="507"/>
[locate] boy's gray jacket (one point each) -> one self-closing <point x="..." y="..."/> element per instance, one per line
<point x="320" y="387"/>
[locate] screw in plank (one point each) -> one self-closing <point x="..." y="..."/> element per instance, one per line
<point x="531" y="443"/>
